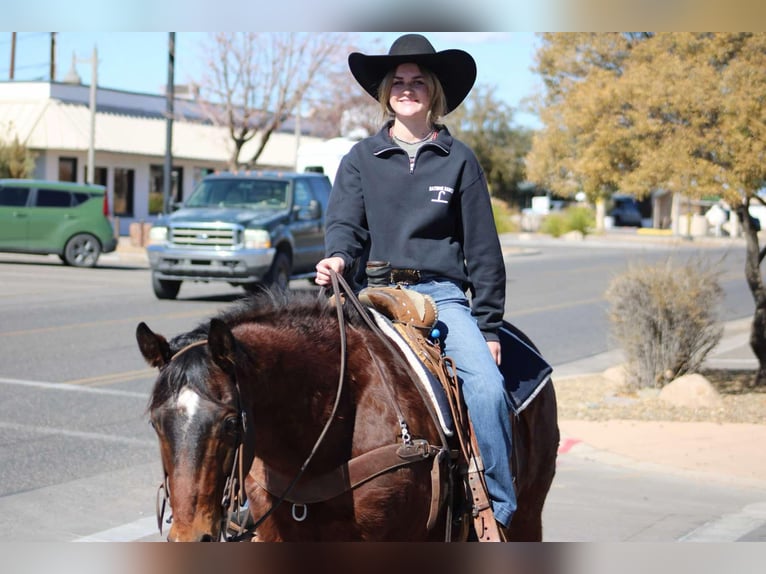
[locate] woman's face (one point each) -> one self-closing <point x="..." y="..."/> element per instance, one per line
<point x="409" y="93"/>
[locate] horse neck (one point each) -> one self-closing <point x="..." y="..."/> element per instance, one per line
<point x="289" y="383"/>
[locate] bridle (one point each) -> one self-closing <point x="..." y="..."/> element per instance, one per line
<point x="234" y="489"/>
<point x="234" y="492"/>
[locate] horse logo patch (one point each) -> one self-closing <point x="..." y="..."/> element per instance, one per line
<point x="440" y="193"/>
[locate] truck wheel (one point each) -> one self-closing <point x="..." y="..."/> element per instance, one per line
<point x="165" y="289"/>
<point x="279" y="275"/>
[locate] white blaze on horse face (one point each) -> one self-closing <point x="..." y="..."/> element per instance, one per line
<point x="188" y="405"/>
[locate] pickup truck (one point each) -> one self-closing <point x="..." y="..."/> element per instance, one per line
<point x="247" y="229"/>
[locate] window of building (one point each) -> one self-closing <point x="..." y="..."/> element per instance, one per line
<point x="68" y="169"/>
<point x="123" y="191"/>
<point x="198" y="173"/>
<point x="99" y="175"/>
<point x="156" y="187"/>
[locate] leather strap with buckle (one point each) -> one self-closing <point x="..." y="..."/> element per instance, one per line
<point x="406" y="276"/>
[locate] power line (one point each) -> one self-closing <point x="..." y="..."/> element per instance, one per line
<point x="27" y="67"/>
<point x="25" y="36"/>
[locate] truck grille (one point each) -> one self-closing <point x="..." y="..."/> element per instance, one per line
<point x="206" y="236"/>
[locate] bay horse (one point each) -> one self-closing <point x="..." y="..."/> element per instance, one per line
<point x="271" y="399"/>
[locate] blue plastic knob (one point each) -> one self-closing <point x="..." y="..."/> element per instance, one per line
<point x="435" y="333"/>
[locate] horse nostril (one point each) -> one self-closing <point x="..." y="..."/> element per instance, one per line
<point x="206" y="538"/>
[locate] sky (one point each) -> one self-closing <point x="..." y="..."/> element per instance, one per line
<point x="138" y="62"/>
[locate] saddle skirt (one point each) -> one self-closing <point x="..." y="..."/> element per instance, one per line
<point x="434" y="390"/>
<point x="524" y="369"/>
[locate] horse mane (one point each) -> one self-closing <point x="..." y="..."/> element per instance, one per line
<point x="297" y="311"/>
<point x="290" y="308"/>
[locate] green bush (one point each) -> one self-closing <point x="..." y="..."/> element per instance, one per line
<point x="16" y="161"/>
<point x="580" y="218"/>
<point x="506" y="219"/>
<point x="573" y="218"/>
<point x="665" y="318"/>
<point x="554" y="224"/>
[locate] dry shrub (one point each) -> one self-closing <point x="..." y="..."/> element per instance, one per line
<point x="665" y="317"/>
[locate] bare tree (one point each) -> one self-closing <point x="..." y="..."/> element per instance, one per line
<point x="255" y="81"/>
<point x="345" y="109"/>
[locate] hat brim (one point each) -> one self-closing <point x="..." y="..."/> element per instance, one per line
<point x="455" y="69"/>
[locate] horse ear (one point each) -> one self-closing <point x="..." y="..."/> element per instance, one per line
<point x="153" y="347"/>
<point x="222" y="344"/>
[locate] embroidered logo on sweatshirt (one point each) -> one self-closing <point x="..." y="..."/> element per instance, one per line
<point x="440" y="193"/>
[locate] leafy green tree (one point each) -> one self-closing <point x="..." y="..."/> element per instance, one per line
<point x="485" y="124"/>
<point x="684" y="112"/>
<point x="580" y="147"/>
<point x="16" y="161"/>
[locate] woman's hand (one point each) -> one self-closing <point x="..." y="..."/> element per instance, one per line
<point x="326" y="266"/>
<point x="494" y="349"/>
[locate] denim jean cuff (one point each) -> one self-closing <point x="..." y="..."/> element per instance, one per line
<point x="502" y="513"/>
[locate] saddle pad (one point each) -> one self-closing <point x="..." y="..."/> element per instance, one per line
<point x="525" y="371"/>
<point x="431" y="384"/>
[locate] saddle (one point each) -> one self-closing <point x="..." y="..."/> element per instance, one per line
<point x="414" y="316"/>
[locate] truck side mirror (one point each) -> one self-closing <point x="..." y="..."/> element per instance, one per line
<point x="309" y="212"/>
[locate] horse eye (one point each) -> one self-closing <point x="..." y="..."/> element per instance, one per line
<point x="231" y="425"/>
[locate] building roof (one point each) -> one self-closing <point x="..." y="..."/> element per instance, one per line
<point x="57" y="116"/>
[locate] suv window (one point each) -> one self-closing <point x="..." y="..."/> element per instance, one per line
<point x="51" y="198"/>
<point x="321" y="190"/>
<point x="303" y="196"/>
<point x="14" y="196"/>
<point x="79" y="198"/>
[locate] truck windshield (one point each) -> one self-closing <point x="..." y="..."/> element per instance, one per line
<point x="250" y="193"/>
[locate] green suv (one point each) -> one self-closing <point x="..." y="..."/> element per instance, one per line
<point x="67" y="219"/>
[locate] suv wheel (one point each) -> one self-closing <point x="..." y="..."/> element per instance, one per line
<point x="279" y="275"/>
<point x="164" y="288"/>
<point x="82" y="250"/>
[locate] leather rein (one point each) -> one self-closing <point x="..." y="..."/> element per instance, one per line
<point x="348" y="476"/>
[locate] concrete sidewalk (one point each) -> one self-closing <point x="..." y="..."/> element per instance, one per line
<point x="126" y="254"/>
<point x="729" y="453"/>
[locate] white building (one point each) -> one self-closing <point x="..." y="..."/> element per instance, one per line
<point x="53" y="120"/>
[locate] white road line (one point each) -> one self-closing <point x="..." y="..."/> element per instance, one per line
<point x="730" y="527"/>
<point x="129" y="532"/>
<point x="77" y="388"/>
<point x="78" y="434"/>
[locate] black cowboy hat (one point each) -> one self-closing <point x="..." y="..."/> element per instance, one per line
<point x="455" y="69"/>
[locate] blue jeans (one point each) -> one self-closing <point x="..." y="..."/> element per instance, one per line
<point x="483" y="390"/>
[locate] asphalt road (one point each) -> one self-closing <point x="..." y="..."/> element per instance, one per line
<point x="78" y="460"/>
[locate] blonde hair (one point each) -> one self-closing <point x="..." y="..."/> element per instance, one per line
<point x="437" y="105"/>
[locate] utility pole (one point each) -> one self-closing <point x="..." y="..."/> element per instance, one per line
<point x="73" y="78"/>
<point x="13" y="55"/>
<point x="169" y="95"/>
<point x="53" y="56"/>
<point x="92" y="146"/>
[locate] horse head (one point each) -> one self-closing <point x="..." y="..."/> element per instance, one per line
<point x="196" y="411"/>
